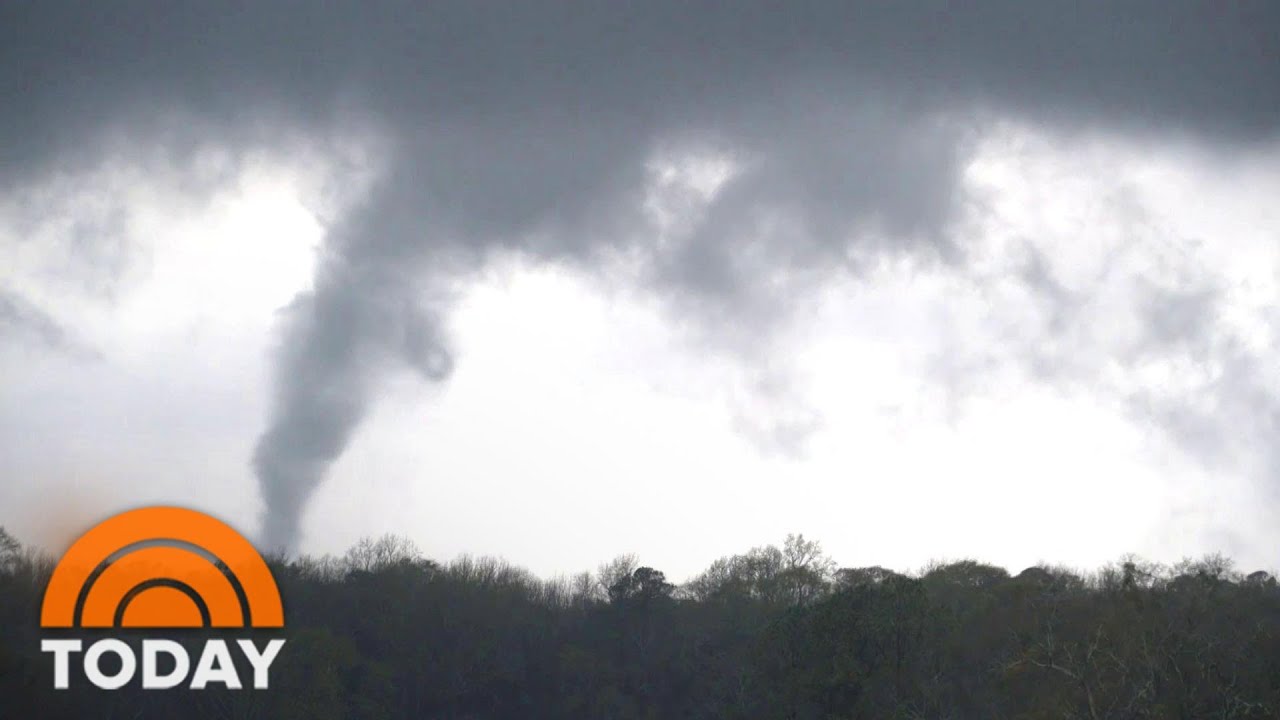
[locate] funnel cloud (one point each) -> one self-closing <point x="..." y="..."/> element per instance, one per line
<point x="535" y="130"/>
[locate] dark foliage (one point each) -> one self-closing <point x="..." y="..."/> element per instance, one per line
<point x="774" y="633"/>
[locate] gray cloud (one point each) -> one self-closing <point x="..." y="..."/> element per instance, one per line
<point x="529" y="129"/>
<point x="1155" y="306"/>
<point x="19" y="318"/>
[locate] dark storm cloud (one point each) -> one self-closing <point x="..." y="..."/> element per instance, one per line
<point x="529" y="128"/>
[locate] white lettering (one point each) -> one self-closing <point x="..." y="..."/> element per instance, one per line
<point x="151" y="649"/>
<point x="215" y="666"/>
<point x="261" y="661"/>
<point x="92" y="670"/>
<point x="61" y="650"/>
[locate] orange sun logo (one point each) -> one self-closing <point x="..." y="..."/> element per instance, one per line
<point x="162" y="567"/>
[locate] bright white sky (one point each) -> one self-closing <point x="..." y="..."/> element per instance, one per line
<point x="899" y="417"/>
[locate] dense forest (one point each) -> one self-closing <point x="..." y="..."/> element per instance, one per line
<point x="778" y="632"/>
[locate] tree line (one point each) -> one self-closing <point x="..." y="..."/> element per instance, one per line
<point x="777" y="632"/>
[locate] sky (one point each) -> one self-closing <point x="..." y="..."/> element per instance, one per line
<point x="556" y="283"/>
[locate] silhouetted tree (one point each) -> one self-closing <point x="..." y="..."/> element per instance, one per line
<point x="776" y="632"/>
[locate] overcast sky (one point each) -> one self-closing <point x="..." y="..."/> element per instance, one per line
<point x="556" y="283"/>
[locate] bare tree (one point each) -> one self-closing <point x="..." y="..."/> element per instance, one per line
<point x="370" y="555"/>
<point x="10" y="551"/>
<point x="616" y="570"/>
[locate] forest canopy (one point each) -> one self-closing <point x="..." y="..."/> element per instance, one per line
<point x="776" y="632"/>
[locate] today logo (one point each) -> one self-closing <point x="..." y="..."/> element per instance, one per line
<point x="161" y="568"/>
